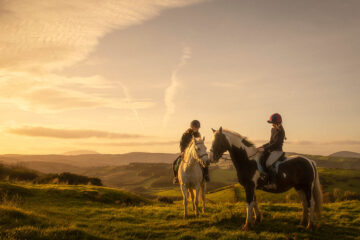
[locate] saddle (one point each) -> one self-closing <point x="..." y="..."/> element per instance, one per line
<point x="270" y="161"/>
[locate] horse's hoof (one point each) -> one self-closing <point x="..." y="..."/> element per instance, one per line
<point x="246" y="227"/>
<point x="310" y="226"/>
<point x="258" y="220"/>
<point x="303" y="222"/>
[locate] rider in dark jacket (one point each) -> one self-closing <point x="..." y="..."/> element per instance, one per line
<point x="276" y="141"/>
<point x="184" y="142"/>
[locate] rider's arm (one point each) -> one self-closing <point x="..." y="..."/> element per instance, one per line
<point x="276" y="140"/>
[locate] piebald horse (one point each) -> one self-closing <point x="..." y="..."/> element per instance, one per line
<point x="191" y="175"/>
<point x="298" y="172"/>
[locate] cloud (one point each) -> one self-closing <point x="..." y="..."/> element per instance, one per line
<point x="57" y="93"/>
<point x="39" y="37"/>
<point x="171" y="90"/>
<point x="68" y="133"/>
<point x="49" y="34"/>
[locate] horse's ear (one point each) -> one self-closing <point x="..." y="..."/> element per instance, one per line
<point x="220" y="130"/>
<point x="203" y="139"/>
<point x="213" y="130"/>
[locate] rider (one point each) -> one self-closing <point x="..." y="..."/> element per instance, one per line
<point x="185" y="140"/>
<point x="272" y="150"/>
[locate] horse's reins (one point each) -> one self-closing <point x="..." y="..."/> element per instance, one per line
<point x="211" y="150"/>
<point x="198" y="158"/>
<point x="254" y="154"/>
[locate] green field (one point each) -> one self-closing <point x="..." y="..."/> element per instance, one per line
<point x="55" y="211"/>
<point x="88" y="212"/>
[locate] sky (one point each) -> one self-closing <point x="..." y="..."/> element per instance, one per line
<point x="123" y="76"/>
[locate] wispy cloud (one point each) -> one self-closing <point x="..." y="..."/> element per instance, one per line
<point x="171" y="90"/>
<point x="56" y="93"/>
<point x="69" y="133"/>
<point x="39" y="37"/>
<point x="49" y="34"/>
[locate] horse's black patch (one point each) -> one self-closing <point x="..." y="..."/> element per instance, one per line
<point x="247" y="143"/>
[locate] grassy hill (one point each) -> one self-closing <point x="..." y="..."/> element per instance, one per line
<point x="87" y="212"/>
<point x="81" y="163"/>
<point x="345" y="154"/>
<point x="85" y="161"/>
<point x="156" y="179"/>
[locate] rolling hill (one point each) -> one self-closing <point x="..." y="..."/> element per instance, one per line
<point x="345" y="154"/>
<point x="80" y="152"/>
<point x="84" y="161"/>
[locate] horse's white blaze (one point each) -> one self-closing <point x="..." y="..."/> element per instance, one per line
<point x="284" y="175"/>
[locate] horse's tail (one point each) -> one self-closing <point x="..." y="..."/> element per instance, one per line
<point x="318" y="196"/>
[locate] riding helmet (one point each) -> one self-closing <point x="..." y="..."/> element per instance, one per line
<point x="275" y="118"/>
<point x="195" y="123"/>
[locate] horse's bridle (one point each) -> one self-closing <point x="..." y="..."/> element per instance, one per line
<point x="199" y="158"/>
<point x="212" y="151"/>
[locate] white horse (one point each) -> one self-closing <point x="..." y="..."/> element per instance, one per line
<point x="191" y="175"/>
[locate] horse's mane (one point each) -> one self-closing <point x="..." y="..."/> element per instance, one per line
<point x="244" y="140"/>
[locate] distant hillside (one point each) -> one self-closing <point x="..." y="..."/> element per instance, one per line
<point x="20" y="173"/>
<point x="80" y="152"/>
<point x="50" y="167"/>
<point x="345" y="154"/>
<point x="87" y="160"/>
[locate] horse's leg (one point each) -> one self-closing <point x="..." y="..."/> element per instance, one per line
<point x="311" y="203"/>
<point x="304" y="218"/>
<point x="203" y="189"/>
<point x="258" y="215"/>
<point x="197" y="191"/>
<point x="249" y="190"/>
<point x="185" y="195"/>
<point x="192" y="198"/>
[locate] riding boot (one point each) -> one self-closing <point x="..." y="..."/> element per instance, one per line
<point x="271" y="176"/>
<point x="206" y="173"/>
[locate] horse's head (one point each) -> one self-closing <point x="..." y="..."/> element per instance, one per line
<point x="220" y="144"/>
<point x="200" y="150"/>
